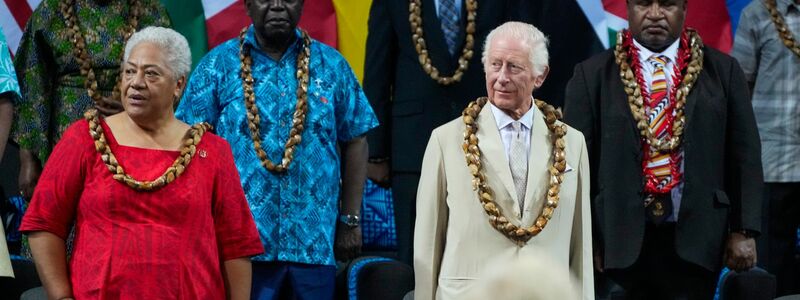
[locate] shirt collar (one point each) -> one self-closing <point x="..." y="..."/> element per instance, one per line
<point x="671" y="51"/>
<point x="504" y="120"/>
<point x="250" y="39"/>
<point x="784" y="5"/>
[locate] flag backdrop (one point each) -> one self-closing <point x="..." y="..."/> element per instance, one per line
<point x="207" y="23"/>
<point x="343" y="23"/>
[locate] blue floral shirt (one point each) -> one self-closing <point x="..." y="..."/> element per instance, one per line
<point x="8" y="77"/>
<point x="295" y="212"/>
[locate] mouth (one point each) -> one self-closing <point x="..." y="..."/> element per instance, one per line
<point x="136" y="99"/>
<point x="277" y="21"/>
<point x="655" y="29"/>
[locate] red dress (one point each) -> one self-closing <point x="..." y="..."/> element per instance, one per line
<point x="166" y="244"/>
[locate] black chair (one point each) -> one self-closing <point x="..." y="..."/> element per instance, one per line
<point x="25" y="278"/>
<point x="754" y="284"/>
<point x="374" y="277"/>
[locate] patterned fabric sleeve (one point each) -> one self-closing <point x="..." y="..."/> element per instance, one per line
<point x="55" y="199"/>
<point x="198" y="103"/>
<point x="156" y="16"/>
<point x="236" y="231"/>
<point x="745" y="45"/>
<point x="8" y="77"/>
<point x="354" y="116"/>
<point x="35" y="69"/>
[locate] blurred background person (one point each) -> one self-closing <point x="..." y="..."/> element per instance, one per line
<point x="528" y="278"/>
<point x="771" y="69"/>
<point x="9" y="92"/>
<point x="158" y="209"/>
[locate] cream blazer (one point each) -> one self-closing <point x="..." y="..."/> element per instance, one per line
<point x="453" y="240"/>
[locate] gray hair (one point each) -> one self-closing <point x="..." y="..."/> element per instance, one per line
<point x="530" y="36"/>
<point x="175" y="47"/>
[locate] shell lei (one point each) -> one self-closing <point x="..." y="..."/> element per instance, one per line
<point x="472" y="154"/>
<point x="301" y="109"/>
<point x="193" y="137"/>
<point x="783" y="29"/>
<point x="417" y="36"/>
<point x="67" y="8"/>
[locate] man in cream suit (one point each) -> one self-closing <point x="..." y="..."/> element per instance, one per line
<point x="505" y="182"/>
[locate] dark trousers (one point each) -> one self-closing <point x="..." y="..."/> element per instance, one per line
<point x="779" y="238"/>
<point x="659" y="273"/>
<point x="288" y="280"/>
<point x="404" y="191"/>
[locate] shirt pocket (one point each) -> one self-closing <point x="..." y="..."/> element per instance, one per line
<point x="321" y="117"/>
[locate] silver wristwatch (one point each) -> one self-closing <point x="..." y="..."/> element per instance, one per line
<point x="351" y="221"/>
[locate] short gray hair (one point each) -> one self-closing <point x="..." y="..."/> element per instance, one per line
<point x="530" y="36"/>
<point x="175" y="47"/>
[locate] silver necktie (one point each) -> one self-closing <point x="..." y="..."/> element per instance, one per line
<point x="518" y="161"/>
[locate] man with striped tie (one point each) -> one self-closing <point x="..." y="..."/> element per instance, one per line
<point x="675" y="157"/>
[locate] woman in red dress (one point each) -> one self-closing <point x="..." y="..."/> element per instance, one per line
<point x="156" y="203"/>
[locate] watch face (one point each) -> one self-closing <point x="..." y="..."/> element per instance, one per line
<point x="349" y="220"/>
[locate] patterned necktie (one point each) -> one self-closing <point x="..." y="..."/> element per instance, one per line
<point x="518" y="161"/>
<point x="659" y="163"/>
<point x="448" y="16"/>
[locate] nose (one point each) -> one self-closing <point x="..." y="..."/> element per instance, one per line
<point x="502" y="78"/>
<point x="654" y="11"/>
<point x="138" y="82"/>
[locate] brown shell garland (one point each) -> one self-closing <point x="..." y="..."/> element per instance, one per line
<point x="472" y="153"/>
<point x="74" y="34"/>
<point x="783" y="29"/>
<point x="417" y="35"/>
<point x="193" y="137"/>
<point x="636" y="100"/>
<point x="301" y="109"/>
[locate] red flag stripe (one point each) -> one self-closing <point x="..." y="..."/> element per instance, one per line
<point x="226" y="24"/>
<point x="20" y="10"/>
<point x="616" y="7"/>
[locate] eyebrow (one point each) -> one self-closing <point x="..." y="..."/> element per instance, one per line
<point x="144" y="66"/>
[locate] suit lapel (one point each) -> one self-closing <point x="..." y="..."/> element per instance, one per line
<point x="538" y="162"/>
<point x="434" y="38"/>
<point x="618" y="101"/>
<point x="493" y="155"/>
<point x="691" y="99"/>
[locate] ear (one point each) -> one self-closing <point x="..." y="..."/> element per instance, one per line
<point x="247" y="4"/>
<point x="179" y="86"/>
<point x="539" y="80"/>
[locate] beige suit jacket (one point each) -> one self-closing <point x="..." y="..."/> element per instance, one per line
<point x="453" y="240"/>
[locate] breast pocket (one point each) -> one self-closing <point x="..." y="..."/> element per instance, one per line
<point x="321" y="117"/>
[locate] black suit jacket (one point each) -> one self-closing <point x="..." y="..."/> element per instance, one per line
<point x="408" y="103"/>
<point x="722" y="153"/>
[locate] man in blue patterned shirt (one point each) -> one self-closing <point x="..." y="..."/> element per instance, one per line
<point x="287" y="104"/>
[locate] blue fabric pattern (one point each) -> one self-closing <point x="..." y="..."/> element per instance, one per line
<point x="295" y="212"/>
<point x="14" y="218"/>
<point x="377" y="218"/>
<point x="8" y="77"/>
<point x="352" y="275"/>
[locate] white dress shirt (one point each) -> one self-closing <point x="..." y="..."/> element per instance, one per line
<point x="507" y="131"/>
<point x="647" y="73"/>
